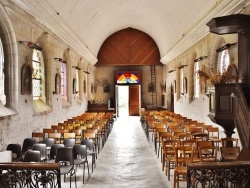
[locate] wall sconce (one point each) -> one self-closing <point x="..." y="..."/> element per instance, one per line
<point x="171" y="71"/>
<point x="182" y="94"/>
<point x="86" y="72"/>
<point x="200" y="58"/>
<point x="226" y="46"/>
<point x="31" y="45"/>
<point x="60" y="60"/>
<point x="54" y="92"/>
<point x="182" y="66"/>
<point x="78" y="68"/>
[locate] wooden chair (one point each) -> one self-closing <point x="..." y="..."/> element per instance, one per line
<point x="204" y="151"/>
<point x="213" y="134"/>
<point x="168" y="159"/>
<point x="62" y="131"/>
<point x="157" y="138"/>
<point x="229" y="153"/>
<point x="56" y="127"/>
<point x="56" y="136"/>
<point x="183" y="155"/>
<point x="78" y="135"/>
<point x="38" y="136"/>
<point x="211" y="157"/>
<point x="46" y="131"/>
<point x="229" y="142"/>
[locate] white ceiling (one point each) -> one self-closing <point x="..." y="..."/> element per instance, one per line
<point x="85" y="24"/>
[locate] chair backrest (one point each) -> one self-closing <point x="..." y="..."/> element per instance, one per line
<point x="65" y="154"/>
<point x="229" y="142"/>
<point x="32" y="156"/>
<point x="16" y="151"/>
<point x="203" y="143"/>
<point x="200" y="137"/>
<point x="69" y="135"/>
<point x="38" y="136"/>
<point x="56" y="136"/>
<point x="183" y="155"/>
<point x="40" y="147"/>
<point x="69" y="142"/>
<point x="78" y="132"/>
<point x="28" y="144"/>
<point x="49" y="141"/>
<point x="62" y="131"/>
<point x="53" y="150"/>
<point x="46" y="130"/>
<point x="208" y="153"/>
<point x="229" y="153"/>
<point x="89" y="143"/>
<point x="89" y="135"/>
<point x="80" y="151"/>
<point x="213" y="132"/>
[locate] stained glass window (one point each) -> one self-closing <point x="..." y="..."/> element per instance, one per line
<point x="77" y="83"/>
<point x="2" y="95"/>
<point x="181" y="80"/>
<point x="63" y="80"/>
<point x="127" y="77"/>
<point x="223" y="61"/>
<point x="37" y="62"/>
<point x="196" y="79"/>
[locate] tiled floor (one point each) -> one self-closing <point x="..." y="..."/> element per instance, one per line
<point x="127" y="160"/>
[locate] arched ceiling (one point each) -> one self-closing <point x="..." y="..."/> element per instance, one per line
<point x="128" y="47"/>
<point x="84" y="25"/>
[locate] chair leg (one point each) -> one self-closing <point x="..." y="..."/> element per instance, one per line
<point x="88" y="168"/>
<point x="83" y="173"/>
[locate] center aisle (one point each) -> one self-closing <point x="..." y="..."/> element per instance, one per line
<point x="127" y="159"/>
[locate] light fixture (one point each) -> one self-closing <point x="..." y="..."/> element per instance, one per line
<point x="78" y="68"/>
<point x="226" y="46"/>
<point x="61" y="60"/>
<point x="31" y="45"/>
<point x="200" y="58"/>
<point x="86" y="72"/>
<point x="182" y="66"/>
<point x="171" y="71"/>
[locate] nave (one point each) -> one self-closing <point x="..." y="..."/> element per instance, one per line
<point x="127" y="160"/>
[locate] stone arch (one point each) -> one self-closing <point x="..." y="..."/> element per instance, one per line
<point x="9" y="41"/>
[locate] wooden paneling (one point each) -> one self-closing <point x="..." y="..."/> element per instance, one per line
<point x="128" y="47"/>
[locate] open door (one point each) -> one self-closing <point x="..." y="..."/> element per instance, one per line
<point x="134" y="100"/>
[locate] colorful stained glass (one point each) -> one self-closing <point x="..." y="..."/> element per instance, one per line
<point x="127" y="77"/>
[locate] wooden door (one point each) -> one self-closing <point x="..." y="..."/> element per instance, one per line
<point x="134" y="100"/>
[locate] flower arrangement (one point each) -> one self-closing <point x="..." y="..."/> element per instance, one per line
<point x="215" y="76"/>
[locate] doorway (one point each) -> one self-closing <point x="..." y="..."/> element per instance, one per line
<point x="123" y="96"/>
<point x="127" y="100"/>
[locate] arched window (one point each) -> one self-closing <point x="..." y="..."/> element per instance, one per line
<point x="77" y="83"/>
<point x="223" y="61"/>
<point x="196" y="79"/>
<point x="2" y="94"/>
<point x="38" y="79"/>
<point x="181" y="81"/>
<point x="64" y="81"/>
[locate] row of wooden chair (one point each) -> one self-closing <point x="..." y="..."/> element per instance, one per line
<point x="199" y="142"/>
